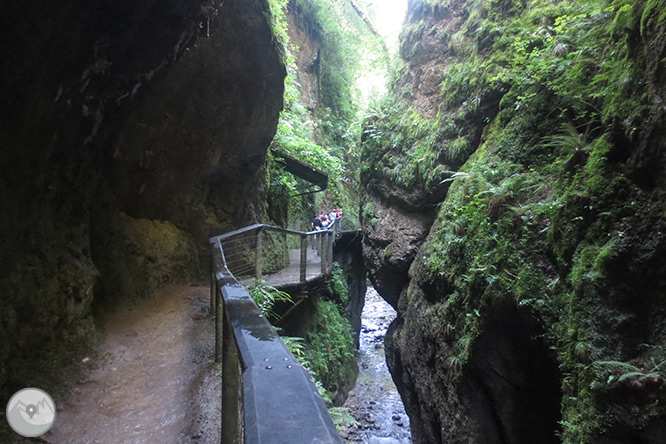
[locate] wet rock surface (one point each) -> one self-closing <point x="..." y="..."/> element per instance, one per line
<point x="392" y="236"/>
<point x="348" y="253"/>
<point x="523" y="310"/>
<point x="375" y="402"/>
<point x="123" y="122"/>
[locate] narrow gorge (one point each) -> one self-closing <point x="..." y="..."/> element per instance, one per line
<point x="507" y="180"/>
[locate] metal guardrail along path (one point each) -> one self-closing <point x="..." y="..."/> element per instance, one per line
<point x="267" y="396"/>
<point x="259" y="250"/>
<point x="292" y="273"/>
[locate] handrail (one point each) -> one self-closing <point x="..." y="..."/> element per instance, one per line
<point x="255" y="227"/>
<point x="267" y="396"/>
<point x="322" y="240"/>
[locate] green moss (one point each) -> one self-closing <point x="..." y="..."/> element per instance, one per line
<point x="552" y="217"/>
<point x="597" y="167"/>
<point x="388" y="252"/>
<point x="654" y="14"/>
<point x="608" y="254"/>
<point x="329" y="345"/>
<point x="420" y="146"/>
<point x="338" y="284"/>
<point x="164" y="254"/>
<point x="583" y="273"/>
<point x="368" y="211"/>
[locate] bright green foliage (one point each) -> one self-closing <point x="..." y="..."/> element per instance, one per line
<point x="412" y="150"/>
<point x="330" y="348"/>
<point x="338" y="283"/>
<point x="266" y="296"/>
<point x="294" y="137"/>
<point x="295" y="133"/>
<point x="278" y="19"/>
<point x="341" y="416"/>
<point x="552" y="212"/>
<point x="296" y="347"/>
<point x="579" y="54"/>
<point x="324" y="137"/>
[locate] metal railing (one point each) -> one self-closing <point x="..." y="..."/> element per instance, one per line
<point x="267" y="396"/>
<point x="257" y="250"/>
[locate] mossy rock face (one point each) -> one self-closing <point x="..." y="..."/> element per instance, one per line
<point x="330" y="350"/>
<point x="404" y="232"/>
<point x="321" y="319"/>
<point x="134" y="137"/>
<point x="551" y="234"/>
<point x="165" y="254"/>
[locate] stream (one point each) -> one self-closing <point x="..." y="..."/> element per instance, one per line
<point x="374" y="402"/>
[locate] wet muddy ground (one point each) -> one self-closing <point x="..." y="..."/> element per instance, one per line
<point x="150" y="380"/>
<point x="375" y="402"/>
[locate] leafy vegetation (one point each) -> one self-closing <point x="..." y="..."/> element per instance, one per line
<point x="266" y="296"/>
<point x="324" y="136"/>
<point x="580" y="54"/>
<point x="330" y="348"/>
<point x="338" y="283"/>
<point x="536" y="130"/>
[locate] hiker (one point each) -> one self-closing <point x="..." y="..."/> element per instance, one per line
<point x="316" y="224"/>
<point x="325" y="221"/>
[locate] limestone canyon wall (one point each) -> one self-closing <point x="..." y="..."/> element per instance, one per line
<point x="514" y="214"/>
<point x="131" y="133"/>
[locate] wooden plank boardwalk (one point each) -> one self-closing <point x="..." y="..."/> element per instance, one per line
<point x="291" y="274"/>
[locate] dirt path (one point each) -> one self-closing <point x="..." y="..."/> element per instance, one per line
<point x="152" y="379"/>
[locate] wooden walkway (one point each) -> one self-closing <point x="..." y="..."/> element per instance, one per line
<point x="291" y="274"/>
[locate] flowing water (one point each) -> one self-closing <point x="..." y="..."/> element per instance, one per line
<point x="375" y="402"/>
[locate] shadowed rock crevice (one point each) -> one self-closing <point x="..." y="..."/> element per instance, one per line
<point x="507" y="393"/>
<point x="510" y="386"/>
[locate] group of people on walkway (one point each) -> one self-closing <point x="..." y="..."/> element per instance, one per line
<point x="326" y="221"/>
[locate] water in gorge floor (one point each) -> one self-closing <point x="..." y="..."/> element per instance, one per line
<point x="375" y="402"/>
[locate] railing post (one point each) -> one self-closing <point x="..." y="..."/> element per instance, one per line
<point x="304" y="258"/>
<point x="213" y="285"/>
<point x="217" y="263"/>
<point x="322" y="250"/>
<point x="260" y="257"/>
<point x="330" y="252"/>
<point x="219" y="325"/>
